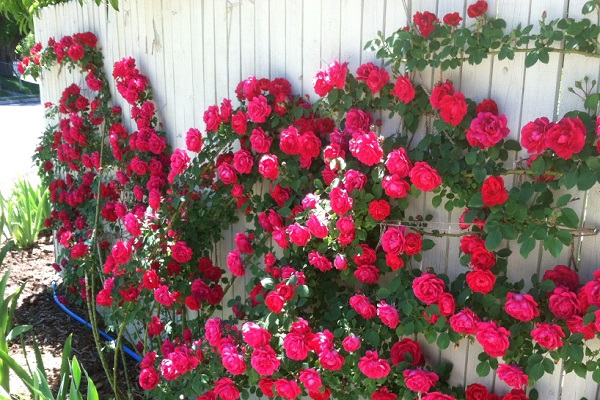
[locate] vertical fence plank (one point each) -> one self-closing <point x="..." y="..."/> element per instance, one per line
<point x="294" y="42"/>
<point x="311" y="45"/>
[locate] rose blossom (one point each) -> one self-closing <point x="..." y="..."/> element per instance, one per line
<point x="563" y="303"/>
<point x="227" y="173"/>
<point x="395" y="187"/>
<point x="274" y="302"/>
<point x="379" y="209"/>
<point x="181" y="252"/>
<point x="317" y="227"/>
<point x="388" y="314"/>
<point x="367" y="274"/>
<point x="404" y="89"/>
<point x="392" y="240"/>
<point x="452" y="19"/>
<point x="363" y="306"/>
<point x="357" y="122"/>
<point x="268" y="166"/>
<point x="566" y="137"/>
<point x="512" y="375"/>
<point x="243" y="161"/>
<point x="226" y="389"/>
<point x="351" y="343"/>
<point x="428" y="288"/>
<point x="398" y="163"/>
<point x="311" y="379"/>
<point x="264" y="361"/>
<point x="493" y="338"/>
<point x="482" y="258"/>
<point x="438" y="93"/>
<point x="481" y="281"/>
<point x="406" y="346"/>
<point x="261" y="143"/>
<point x="259" y="109"/>
<point x="562" y="275"/>
<point x="255" y="335"/>
<point x="548" y="335"/>
<point x="375" y="77"/>
<point x="340" y="202"/>
<point x="446" y="304"/>
<point x="235" y="263"/>
<point x="424" y="177"/>
<point x="354" y="180"/>
<point x="521" y="306"/>
<point x="453" y="108"/>
<point x="149" y="378"/>
<point x="493" y="191"/>
<point x="319" y="261"/>
<point x="419" y="380"/>
<point x="465" y="321"/>
<point x="373" y="366"/>
<point x="425" y="22"/>
<point x="366" y="148"/>
<point x="438" y="396"/>
<point x="299" y="235"/>
<point x="288" y="389"/>
<point x="193" y="140"/>
<point x="487" y="130"/>
<point x="533" y="135"/>
<point x="383" y="394"/>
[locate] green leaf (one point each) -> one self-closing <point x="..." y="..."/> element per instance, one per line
<point x="593" y="163"/>
<point x="302" y="290"/>
<point x="586" y="179"/>
<point x="476" y="201"/>
<point x="493" y="239"/>
<point x="483" y="368"/>
<point x="443" y="341"/>
<point x="372" y="337"/>
<point x="531" y="59"/>
<point x="384" y="293"/>
<point x="115" y="4"/>
<point x="596" y="375"/>
<point x="575" y="353"/>
<point x="76" y="372"/>
<point x="527" y="246"/>
<point x="548" y="365"/>
<point x="588" y="7"/>
<point x="535" y="371"/>
<point x="512" y="145"/>
<point x="569" y="218"/>
<point x="479" y="173"/>
<point x="591" y="102"/>
<point x="471" y="158"/>
<point x="17" y="331"/>
<point x="553" y="245"/>
<point x="563" y="200"/>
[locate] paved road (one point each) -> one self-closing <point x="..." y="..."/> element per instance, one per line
<point x="20" y="127"/>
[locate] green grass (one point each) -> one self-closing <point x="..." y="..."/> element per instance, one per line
<point x="11" y="84"/>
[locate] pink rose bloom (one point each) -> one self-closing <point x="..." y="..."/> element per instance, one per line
<point x="226" y="389"/>
<point x="319" y="261"/>
<point x="80" y="250"/>
<point x="374" y="76"/>
<point x="388" y="314"/>
<point x="533" y="135"/>
<point x="213" y="329"/>
<point x="428" y="288"/>
<point x="259" y="109"/>
<point x="121" y="252"/>
<point x="548" y="335"/>
<point x="311" y="379"/>
<point x="398" y="163"/>
<point x="212" y="119"/>
<point x="181" y="252"/>
<point x="295" y="345"/>
<point x="149" y="378"/>
<point x="367" y="274"/>
<point x="439" y="396"/>
<point x="512" y="375"/>
<point x="255" y="335"/>
<point x="275" y="302"/>
<point x="493" y="338"/>
<point x="566" y="137"/>
<point x="351" y="343"/>
<point x="487" y="130"/>
<point x="419" y="380"/>
<point x="404" y="89"/>
<point x="563" y="303"/>
<point x="337" y="74"/>
<point x="340" y="202"/>
<point x="268" y="166"/>
<point x="239" y="122"/>
<point x="379" y="209"/>
<point x="424" y="177"/>
<point x="383" y="394"/>
<point x="243" y="161"/>
<point x="164" y="296"/>
<point x="562" y="275"/>
<point x="235" y="263"/>
<point x="340" y="263"/>
<point x="446" y="304"/>
<point x="288" y="389"/>
<point x="438" y="93"/>
<point x="481" y="281"/>
<point x="521" y="306"/>
<point x="331" y="360"/>
<point x="193" y="140"/>
<point x="264" y="361"/>
<point x="289" y="141"/>
<point x="299" y="235"/>
<point x="354" y="180"/>
<point x="392" y="240"/>
<point x="179" y="161"/>
<point x="358" y="122"/>
<point x="361" y="304"/>
<point x="465" y="321"/>
<point x="395" y="187"/>
<point x="373" y="366"/>
<point x="233" y="362"/>
<point x="243" y="243"/>
<point x="227" y="173"/>
<point x="261" y="143"/>
<point x="366" y="148"/>
<point x="317" y="227"/>
<point x="426" y="22"/>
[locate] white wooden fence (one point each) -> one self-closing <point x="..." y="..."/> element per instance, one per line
<point x="196" y="51"/>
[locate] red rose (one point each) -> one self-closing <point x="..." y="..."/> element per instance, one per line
<point x="398" y="163"/>
<point x="512" y="375"/>
<point x="149" y="378"/>
<point x="476" y="391"/>
<point x="383" y="394"/>
<point x="374" y="76"/>
<point x="366" y="148"/>
<point x="331" y="360"/>
<point x="354" y="180"/>
<point x="521" y="306"/>
<point x="566" y="137"/>
<point x="533" y="135"/>
<point x="575" y="325"/>
<point x="419" y="380"/>
<point x="268" y="166"/>
<point x="373" y="366"/>
<point x="487" y="130"/>
<point x="287" y="389"/>
<point x="212" y="119"/>
<point x="477" y="9"/>
<point x="226" y="389"/>
<point x="392" y="241"/>
<point x="562" y="275"/>
<point x="367" y="274"/>
<point x="264" y="361"/>
<point x="266" y="386"/>
<point x="181" y="252"/>
<point x="493" y="191"/>
<point x="351" y="343"/>
<point x="363" y="306"/>
<point x="406" y="346"/>
<point x="428" y="288"/>
<point x="548" y="335"/>
<point x="404" y="89"/>
<point x="121" y="252"/>
<point x="317" y="227"/>
<point x="516" y="394"/>
<point x="395" y="187"/>
<point x="452" y="19"/>
<point x="80" y="250"/>
<point x="227" y="173"/>
<point x="446" y="304"/>
<point x="438" y="396"/>
<point x="487" y="105"/>
<point x="464" y="321"/>
<point x="280" y="195"/>
<point x="439" y="92"/>
<point x="424" y="177"/>
<point x="563" y="303"/>
<point x="235" y="263"/>
<point x="453" y="108"/>
<point x="481" y="281"/>
<point x="322" y="263"/>
<point x="413" y="243"/>
<point x="261" y="143"/>
<point x="358" y="121"/>
<point x="388" y="314"/>
<point x="425" y="22"/>
<point x="493" y="338"/>
<point x="289" y="141"/>
<point x="379" y="209"/>
<point x="340" y="202"/>
<point x="481" y="258"/>
<point x="275" y="302"/>
<point x="259" y="109"/>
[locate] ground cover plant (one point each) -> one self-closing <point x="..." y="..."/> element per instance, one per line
<point x="337" y="294"/>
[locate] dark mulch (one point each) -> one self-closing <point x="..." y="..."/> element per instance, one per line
<point x="51" y="325"/>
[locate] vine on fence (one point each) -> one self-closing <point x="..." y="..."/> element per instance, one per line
<point x="337" y="294"/>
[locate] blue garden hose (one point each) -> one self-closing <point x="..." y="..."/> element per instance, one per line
<point x="127" y="350"/>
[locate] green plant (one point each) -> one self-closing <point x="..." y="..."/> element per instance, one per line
<point x="25" y="211"/>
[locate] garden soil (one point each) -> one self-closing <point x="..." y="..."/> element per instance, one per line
<point x="51" y="325"/>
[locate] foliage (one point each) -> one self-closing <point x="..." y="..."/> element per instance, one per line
<point x="337" y="290"/>
<point x="25" y="212"/>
